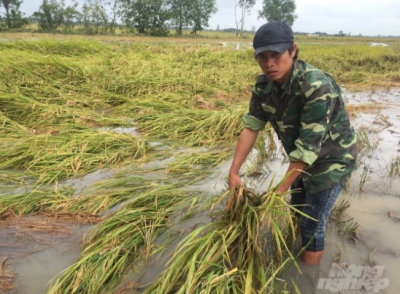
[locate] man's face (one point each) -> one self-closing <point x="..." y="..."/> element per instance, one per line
<point x="277" y="66"/>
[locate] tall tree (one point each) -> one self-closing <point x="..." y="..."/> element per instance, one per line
<point x="71" y="16"/>
<point x="278" y="10"/>
<point x="201" y="13"/>
<point x="50" y="15"/>
<point x="237" y="21"/>
<point x="146" y="16"/>
<point x="245" y="6"/>
<point x="95" y="17"/>
<point x="113" y="23"/>
<point x="180" y="13"/>
<point x="14" y="17"/>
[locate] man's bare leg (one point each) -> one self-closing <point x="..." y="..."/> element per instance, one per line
<point x="311" y="257"/>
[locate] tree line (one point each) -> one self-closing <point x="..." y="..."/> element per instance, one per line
<point x="152" y="17"/>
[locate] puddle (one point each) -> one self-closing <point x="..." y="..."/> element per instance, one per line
<point x="373" y="44"/>
<point x="38" y="257"/>
<point x="81" y="183"/>
<point x="121" y="130"/>
<point x="237" y="45"/>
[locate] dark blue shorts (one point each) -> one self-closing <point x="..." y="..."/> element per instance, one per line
<point x="318" y="206"/>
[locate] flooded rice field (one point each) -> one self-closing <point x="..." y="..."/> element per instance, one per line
<point x="362" y="253"/>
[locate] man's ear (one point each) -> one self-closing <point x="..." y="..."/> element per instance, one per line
<point x="294" y="50"/>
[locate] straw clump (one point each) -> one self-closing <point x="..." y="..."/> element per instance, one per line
<point x="240" y="252"/>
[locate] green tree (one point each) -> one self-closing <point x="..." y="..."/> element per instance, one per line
<point x="14" y="17"/>
<point x="71" y="16"/>
<point x="278" y="10"/>
<point x="245" y="6"/>
<point x="201" y="13"/>
<point x="146" y="16"/>
<point x="94" y="16"/>
<point x="53" y="14"/>
<point x="50" y="15"/>
<point x="113" y="23"/>
<point x="180" y="11"/>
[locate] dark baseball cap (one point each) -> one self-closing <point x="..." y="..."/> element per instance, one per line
<point x="273" y="36"/>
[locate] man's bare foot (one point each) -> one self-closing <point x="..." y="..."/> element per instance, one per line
<point x="311" y="258"/>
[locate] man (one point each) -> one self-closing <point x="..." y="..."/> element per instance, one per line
<point x="305" y="107"/>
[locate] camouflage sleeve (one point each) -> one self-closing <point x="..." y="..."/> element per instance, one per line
<point x="256" y="118"/>
<point x="314" y="122"/>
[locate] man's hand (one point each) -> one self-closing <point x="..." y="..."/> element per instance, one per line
<point x="234" y="181"/>
<point x="246" y="141"/>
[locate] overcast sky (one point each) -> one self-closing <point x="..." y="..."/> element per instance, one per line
<point x="367" y="17"/>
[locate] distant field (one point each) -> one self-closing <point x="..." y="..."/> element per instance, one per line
<point x="213" y="36"/>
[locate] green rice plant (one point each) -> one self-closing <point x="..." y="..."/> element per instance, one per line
<point x="365" y="177"/>
<point x="365" y="141"/>
<point x="346" y="225"/>
<point x="228" y="255"/>
<point x="355" y="64"/>
<point x="104" y="195"/>
<point x="121" y="239"/>
<point x="95" y="200"/>
<point x="8" y="126"/>
<point x="69" y="152"/>
<point x="195" y="127"/>
<point x="42" y="200"/>
<point x="194" y="166"/>
<point x="71" y="48"/>
<point x="394" y="167"/>
<point x="39" y="117"/>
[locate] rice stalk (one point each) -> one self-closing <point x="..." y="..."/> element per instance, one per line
<point x="69" y="152"/>
<point x="195" y="166"/>
<point x="121" y="240"/>
<point x="394" y="167"/>
<point x="195" y="127"/>
<point x="233" y="254"/>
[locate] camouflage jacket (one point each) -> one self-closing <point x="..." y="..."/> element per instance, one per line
<point x="310" y="119"/>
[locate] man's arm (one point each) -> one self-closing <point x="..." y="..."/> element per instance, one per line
<point x="294" y="170"/>
<point x="245" y="144"/>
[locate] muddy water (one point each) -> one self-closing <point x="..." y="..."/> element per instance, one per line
<point x="37" y="257"/>
<point x="374" y="206"/>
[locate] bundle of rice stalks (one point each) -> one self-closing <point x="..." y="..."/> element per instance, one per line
<point x="241" y="252"/>
<point x="125" y="237"/>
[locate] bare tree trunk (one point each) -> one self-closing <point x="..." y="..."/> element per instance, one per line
<point x="114" y="20"/>
<point x="236" y="21"/>
<point x="242" y="20"/>
<point x="6" y="5"/>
